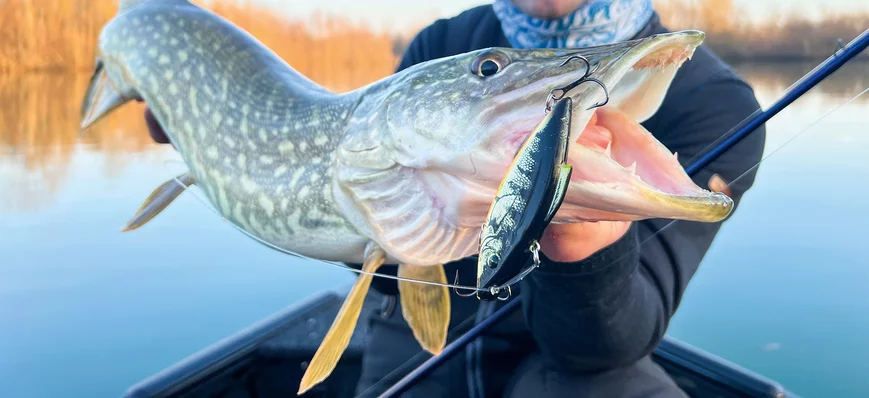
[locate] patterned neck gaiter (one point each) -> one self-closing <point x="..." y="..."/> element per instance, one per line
<point x="595" y="22"/>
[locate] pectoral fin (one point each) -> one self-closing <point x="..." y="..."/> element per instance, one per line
<point x="158" y="200"/>
<point x="426" y="308"/>
<point x="561" y="185"/>
<point x="338" y="337"/>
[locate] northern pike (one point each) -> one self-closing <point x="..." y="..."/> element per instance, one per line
<point x="399" y="171"/>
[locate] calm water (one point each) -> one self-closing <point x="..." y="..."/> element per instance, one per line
<point x="88" y="311"/>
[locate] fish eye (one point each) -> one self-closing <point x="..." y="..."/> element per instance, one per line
<point x="493" y="261"/>
<point x="489" y="63"/>
<point x="489" y="68"/>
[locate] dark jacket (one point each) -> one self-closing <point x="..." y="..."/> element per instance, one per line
<point x="610" y="309"/>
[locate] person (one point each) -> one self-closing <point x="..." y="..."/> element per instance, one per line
<point x="598" y="307"/>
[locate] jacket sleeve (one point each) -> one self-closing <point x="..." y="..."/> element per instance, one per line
<point x="614" y="307"/>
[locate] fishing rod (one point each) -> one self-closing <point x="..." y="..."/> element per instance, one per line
<point x="806" y="83"/>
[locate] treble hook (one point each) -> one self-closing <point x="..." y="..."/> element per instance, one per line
<point x="588" y="70"/>
<point x="494" y="290"/>
<point x="497" y="290"/>
<point x="563" y="90"/>
<point x="456" y="282"/>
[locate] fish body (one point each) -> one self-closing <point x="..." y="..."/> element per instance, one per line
<point x="400" y="171"/>
<point x="526" y="201"/>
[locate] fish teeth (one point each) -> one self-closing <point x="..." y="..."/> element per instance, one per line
<point x="633" y="168"/>
<point x="609" y="150"/>
<point x="676" y="156"/>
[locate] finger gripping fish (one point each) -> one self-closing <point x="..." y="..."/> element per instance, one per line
<point x="526" y="201"/>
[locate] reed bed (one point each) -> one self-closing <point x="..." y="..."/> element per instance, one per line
<point x="50" y="35"/>
<point x="60" y="36"/>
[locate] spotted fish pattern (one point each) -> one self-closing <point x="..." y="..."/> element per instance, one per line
<point x="247" y="129"/>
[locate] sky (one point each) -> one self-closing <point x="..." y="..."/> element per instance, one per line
<point x="401" y="14"/>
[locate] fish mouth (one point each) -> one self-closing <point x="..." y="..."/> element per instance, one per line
<point x="621" y="172"/>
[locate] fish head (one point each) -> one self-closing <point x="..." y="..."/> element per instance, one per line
<point x="466" y="116"/>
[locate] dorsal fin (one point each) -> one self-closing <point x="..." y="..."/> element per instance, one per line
<point x="128" y="4"/>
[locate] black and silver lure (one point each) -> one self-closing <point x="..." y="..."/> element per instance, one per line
<point x="526" y="201"/>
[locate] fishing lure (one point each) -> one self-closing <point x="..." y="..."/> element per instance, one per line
<point x="526" y="201"/>
<point x="529" y="195"/>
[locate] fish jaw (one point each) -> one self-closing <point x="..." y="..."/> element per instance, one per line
<point x="621" y="172"/>
<point x="631" y="176"/>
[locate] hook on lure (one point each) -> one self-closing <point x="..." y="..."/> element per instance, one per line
<point x="503" y="291"/>
<point x="558" y="93"/>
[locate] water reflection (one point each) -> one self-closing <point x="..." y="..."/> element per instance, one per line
<point x="39" y="137"/>
<point x="771" y="79"/>
<point x="782" y="290"/>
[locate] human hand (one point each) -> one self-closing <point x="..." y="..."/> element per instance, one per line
<point x="575" y="242"/>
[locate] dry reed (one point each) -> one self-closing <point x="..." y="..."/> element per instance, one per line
<point x="48" y="35"/>
<point x="40" y="35"/>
